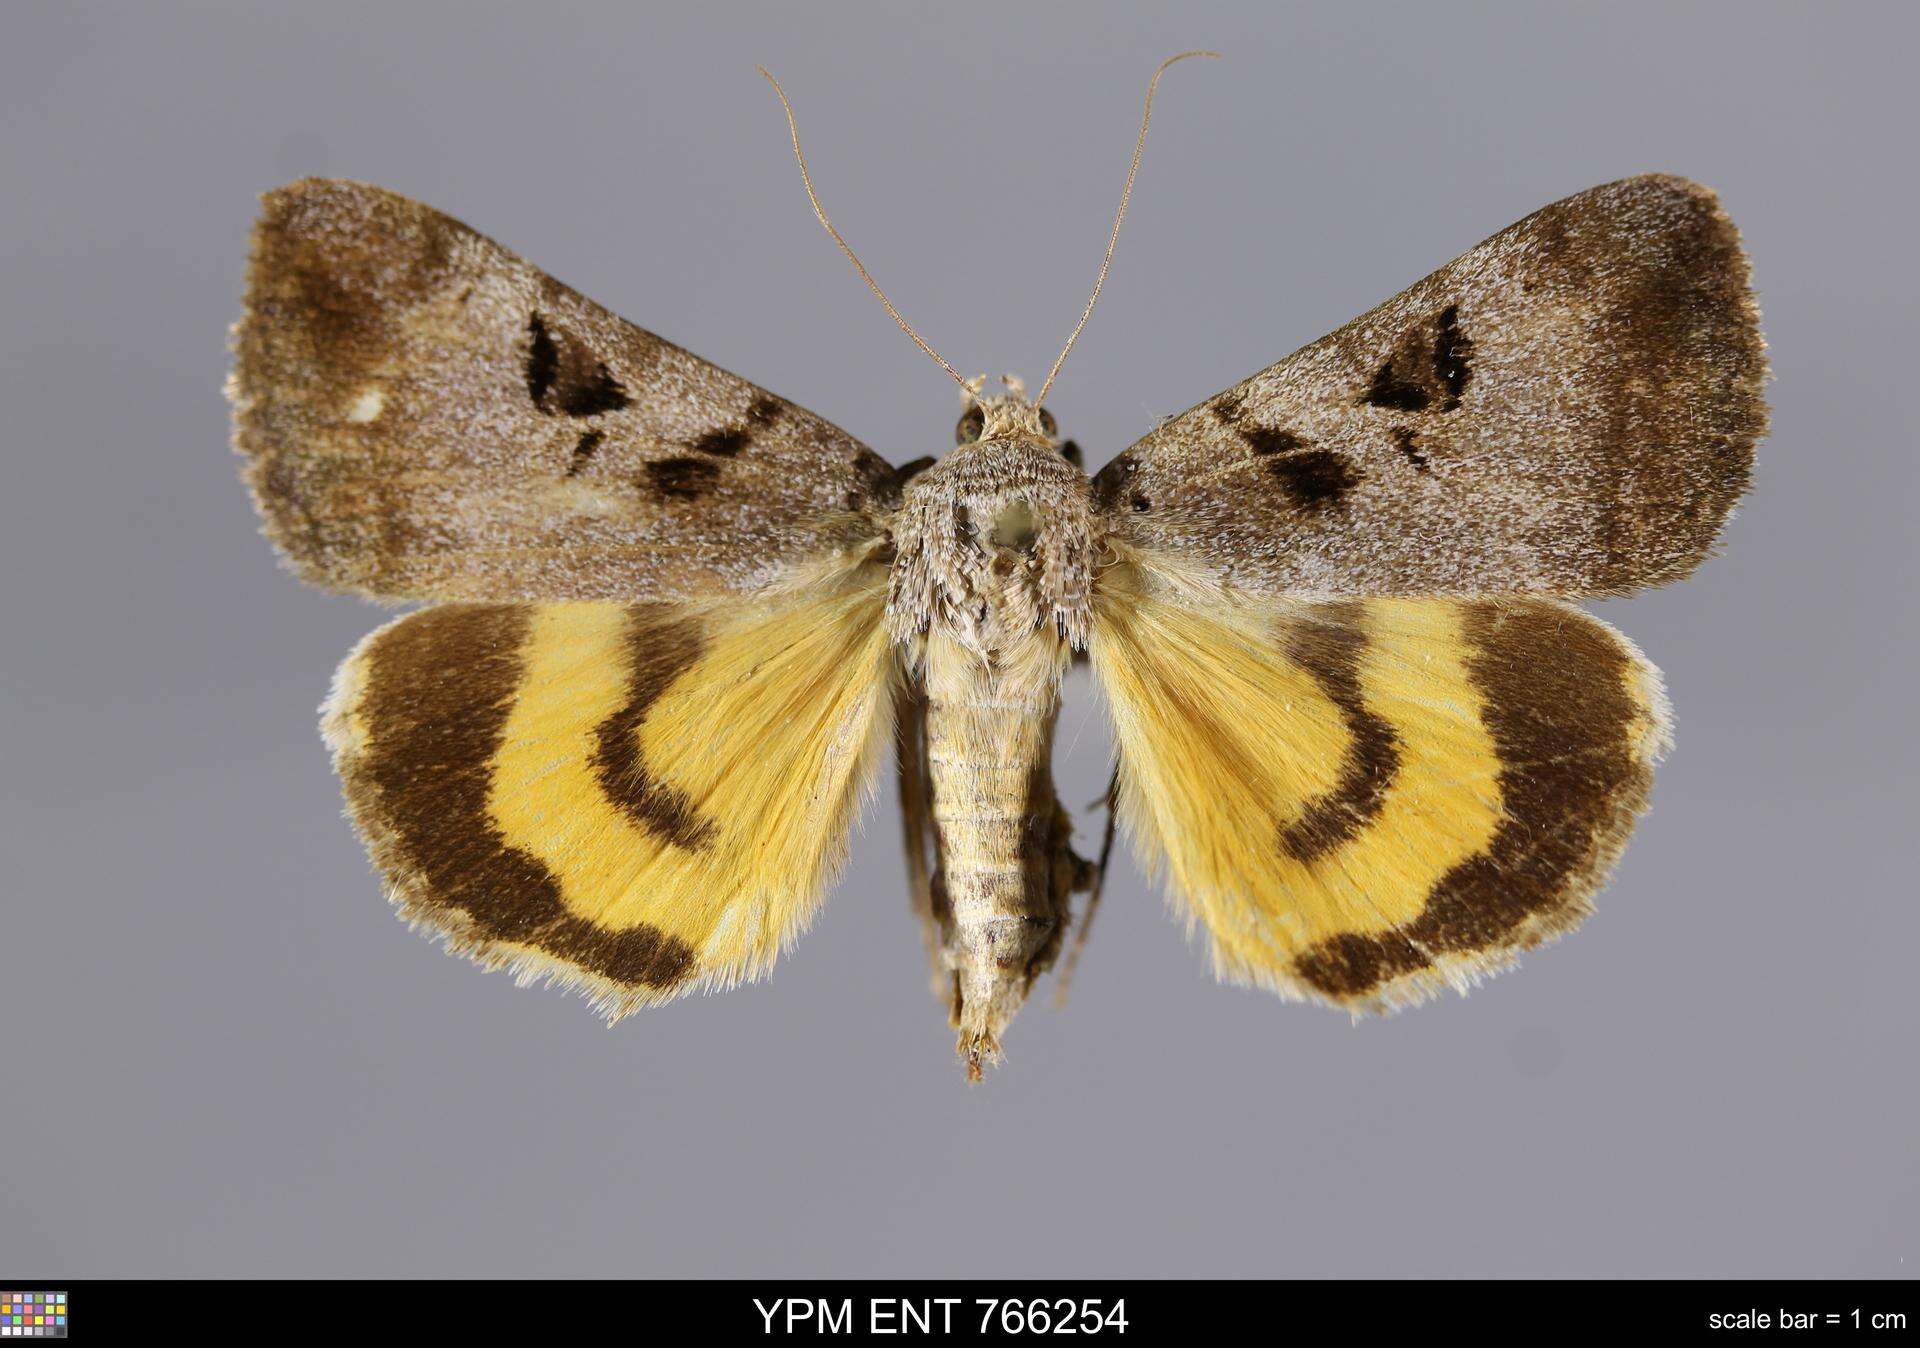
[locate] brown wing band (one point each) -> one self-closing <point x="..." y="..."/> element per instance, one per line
<point x="1571" y="782"/>
<point x="419" y="791"/>
<point x="1328" y="644"/>
<point x="662" y="651"/>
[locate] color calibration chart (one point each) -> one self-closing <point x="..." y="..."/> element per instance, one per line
<point x="33" y="1315"/>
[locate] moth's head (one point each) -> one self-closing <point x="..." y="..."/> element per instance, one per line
<point x="1008" y="417"/>
<point x="996" y="537"/>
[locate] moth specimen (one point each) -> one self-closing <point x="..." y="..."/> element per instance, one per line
<point x="673" y="621"/>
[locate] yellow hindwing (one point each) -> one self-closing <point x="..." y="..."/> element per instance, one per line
<point x="1364" y="801"/>
<point x="635" y="799"/>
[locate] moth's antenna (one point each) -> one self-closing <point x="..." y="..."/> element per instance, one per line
<point x="793" y="130"/>
<point x="1138" y="145"/>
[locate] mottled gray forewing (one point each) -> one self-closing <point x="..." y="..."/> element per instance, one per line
<point x="1570" y="407"/>
<point x="425" y="415"/>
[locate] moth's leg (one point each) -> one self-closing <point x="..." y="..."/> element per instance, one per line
<point x="1091" y="878"/>
<point x="924" y="889"/>
<point x="1068" y="874"/>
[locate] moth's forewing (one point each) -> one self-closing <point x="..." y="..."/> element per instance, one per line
<point x="1569" y="408"/>
<point x="426" y="416"/>
<point x="632" y="800"/>
<point x="1366" y="801"/>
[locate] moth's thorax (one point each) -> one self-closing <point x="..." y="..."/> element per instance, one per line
<point x="995" y="540"/>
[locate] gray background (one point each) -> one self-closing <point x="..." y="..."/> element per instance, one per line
<point x="222" y="1055"/>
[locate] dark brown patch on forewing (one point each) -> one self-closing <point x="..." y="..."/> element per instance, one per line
<point x="598" y="392"/>
<point x="1264" y="441"/>
<point x="1316" y="479"/>
<point x="438" y="689"/>
<point x="1392" y="389"/>
<point x="682" y="478"/>
<point x="661" y="650"/>
<point x="1451" y="353"/>
<point x="1430" y="365"/>
<point x="543" y="361"/>
<point x="723" y="443"/>
<point x="1328" y="643"/>
<point x="1556" y="703"/>
<point x="1230" y="410"/>
<point x="1404" y="441"/>
<point x="563" y="376"/>
<point x="584" y="450"/>
<point x="1313" y="478"/>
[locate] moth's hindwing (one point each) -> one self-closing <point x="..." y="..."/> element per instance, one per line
<point x="424" y="415"/>
<point x="635" y="800"/>
<point x="1365" y="801"/>
<point x="1570" y="408"/>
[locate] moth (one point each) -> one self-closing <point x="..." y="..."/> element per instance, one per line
<point x="673" y="621"/>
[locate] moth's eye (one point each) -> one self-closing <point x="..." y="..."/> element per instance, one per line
<point x="969" y="427"/>
<point x="1048" y="427"/>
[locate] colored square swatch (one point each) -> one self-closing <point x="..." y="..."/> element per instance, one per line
<point x="33" y="1315"/>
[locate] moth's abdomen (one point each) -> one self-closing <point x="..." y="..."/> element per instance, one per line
<point x="1005" y="870"/>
